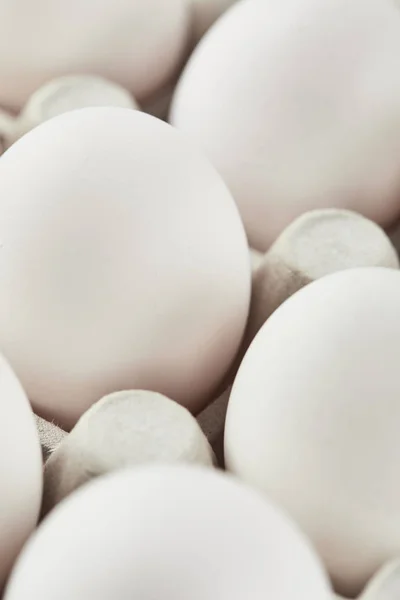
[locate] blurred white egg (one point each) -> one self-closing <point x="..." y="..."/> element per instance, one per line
<point x="136" y="43"/>
<point x="124" y="263"/>
<point x="171" y="533"/>
<point x="298" y="106"/>
<point x="314" y="418"/>
<point x="20" y="469"/>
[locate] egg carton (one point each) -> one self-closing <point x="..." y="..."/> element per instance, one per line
<point x="211" y="420"/>
<point x="50" y="436"/>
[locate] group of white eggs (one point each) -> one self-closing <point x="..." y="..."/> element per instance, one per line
<point x="124" y="265"/>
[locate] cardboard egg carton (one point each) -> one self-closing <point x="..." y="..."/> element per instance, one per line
<point x="211" y="420"/>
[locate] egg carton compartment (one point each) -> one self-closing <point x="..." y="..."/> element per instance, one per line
<point x="211" y="421"/>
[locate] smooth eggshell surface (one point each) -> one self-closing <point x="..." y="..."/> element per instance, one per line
<point x="114" y="265"/>
<point x="136" y="43"/>
<point x="298" y="106"/>
<point x="314" y="416"/>
<point x="20" y="469"/>
<point x="171" y="533"/>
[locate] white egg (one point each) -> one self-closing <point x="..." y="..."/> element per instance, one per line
<point x="136" y="43"/>
<point x="124" y="263"/>
<point x="20" y="469"/>
<point x="171" y="533"/>
<point x="314" y="418"/>
<point x="298" y="106"/>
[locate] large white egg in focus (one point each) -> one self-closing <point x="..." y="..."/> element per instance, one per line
<point x="167" y="533"/>
<point x="314" y="418"/>
<point x="298" y="106"/>
<point x="136" y="43"/>
<point x="124" y="263"/>
<point x="20" y="469"/>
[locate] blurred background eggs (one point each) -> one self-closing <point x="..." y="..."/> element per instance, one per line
<point x="297" y="104"/>
<point x="139" y="44"/>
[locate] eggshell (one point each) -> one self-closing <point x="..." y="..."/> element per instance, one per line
<point x="167" y="532"/>
<point x="114" y="268"/>
<point x="20" y="469"/>
<point x="68" y="93"/>
<point x="136" y="43"/>
<point x="314" y="415"/>
<point x="126" y="428"/>
<point x="298" y="106"/>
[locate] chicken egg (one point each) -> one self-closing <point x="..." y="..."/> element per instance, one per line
<point x="20" y="469"/>
<point x="124" y="263"/>
<point x="136" y="43"/>
<point x="167" y="533"/>
<point x="314" y="417"/>
<point x="297" y="104"/>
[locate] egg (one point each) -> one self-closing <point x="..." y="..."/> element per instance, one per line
<point x="314" y="415"/>
<point x="136" y="43"/>
<point x="297" y="104"/>
<point x="20" y="469"/>
<point x="167" y="532"/>
<point x="124" y="263"/>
